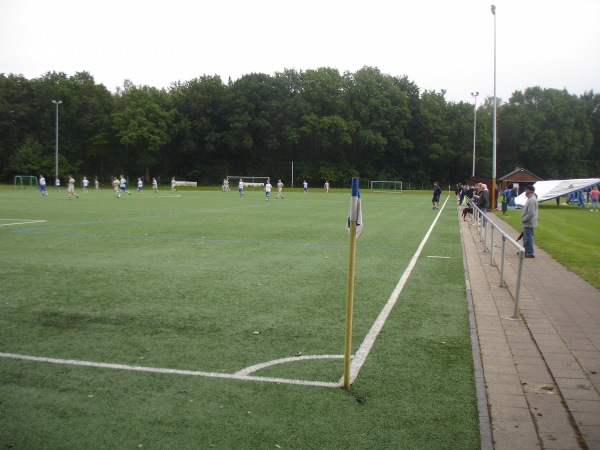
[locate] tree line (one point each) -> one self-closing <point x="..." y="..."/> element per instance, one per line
<point x="332" y="126"/>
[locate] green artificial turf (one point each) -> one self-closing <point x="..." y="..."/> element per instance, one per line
<point x="569" y="234"/>
<point x="208" y="281"/>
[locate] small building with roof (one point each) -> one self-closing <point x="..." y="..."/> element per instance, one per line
<point x="519" y="177"/>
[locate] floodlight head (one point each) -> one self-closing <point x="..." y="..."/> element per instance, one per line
<point x="57" y="102"/>
<point x="494" y="9"/>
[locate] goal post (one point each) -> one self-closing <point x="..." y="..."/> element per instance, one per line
<point x="26" y="181"/>
<point x="251" y="182"/>
<point x="386" y="186"/>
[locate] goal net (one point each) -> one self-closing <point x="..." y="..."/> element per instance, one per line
<point x="250" y="182"/>
<point x="386" y="186"/>
<point x="26" y="181"/>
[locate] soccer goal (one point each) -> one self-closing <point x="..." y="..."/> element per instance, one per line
<point x="386" y="186"/>
<point x="252" y="182"/>
<point x="26" y="181"/>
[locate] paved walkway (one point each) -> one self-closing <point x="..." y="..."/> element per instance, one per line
<point x="540" y="372"/>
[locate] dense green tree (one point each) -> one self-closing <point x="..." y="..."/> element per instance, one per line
<point x="484" y="140"/>
<point x="141" y="123"/>
<point x="546" y="131"/>
<point x="292" y="106"/>
<point x="437" y="152"/>
<point x="16" y="112"/>
<point x="591" y="159"/>
<point x="324" y="126"/>
<point x="331" y="126"/>
<point x="198" y="145"/>
<point x="262" y="99"/>
<point x="460" y="141"/>
<point x="381" y="113"/>
<point x="86" y="112"/>
<point x="409" y="161"/>
<point x="28" y="159"/>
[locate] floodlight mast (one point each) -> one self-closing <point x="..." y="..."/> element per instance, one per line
<point x="56" y="102"/>
<point x="493" y="199"/>
<point x="474" y="129"/>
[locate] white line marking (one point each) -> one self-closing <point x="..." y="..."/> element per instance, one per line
<point x="440" y="257"/>
<point x="21" y="222"/>
<point x="367" y="344"/>
<point x="28" y="220"/>
<point x="254" y="368"/>
<point x="197" y="373"/>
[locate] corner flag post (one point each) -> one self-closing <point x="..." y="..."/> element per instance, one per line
<point x="354" y="225"/>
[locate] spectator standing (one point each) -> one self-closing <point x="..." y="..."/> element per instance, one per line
<point x="457" y="191"/>
<point x="594" y="196"/>
<point x="483" y="200"/>
<point x="463" y="193"/>
<point x="469" y="193"/>
<point x="506" y="195"/>
<point x="580" y="199"/>
<point x="529" y="220"/>
<point x="514" y="193"/>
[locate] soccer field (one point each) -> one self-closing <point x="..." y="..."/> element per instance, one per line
<point x="205" y="301"/>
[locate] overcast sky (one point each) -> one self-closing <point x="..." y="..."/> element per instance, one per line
<point x="438" y="44"/>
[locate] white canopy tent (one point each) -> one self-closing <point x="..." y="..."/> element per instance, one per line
<point x="547" y="190"/>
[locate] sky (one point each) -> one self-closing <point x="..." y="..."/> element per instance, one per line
<point x="438" y="44"/>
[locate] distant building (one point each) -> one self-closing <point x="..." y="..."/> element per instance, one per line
<point x="519" y="177"/>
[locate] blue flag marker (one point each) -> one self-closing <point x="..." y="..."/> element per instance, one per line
<point x="355" y="213"/>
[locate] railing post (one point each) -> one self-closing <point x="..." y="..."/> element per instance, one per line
<point x="502" y="260"/>
<point x="519" y="275"/>
<point x="492" y="246"/>
<point x="485" y="231"/>
<point x="481" y="231"/>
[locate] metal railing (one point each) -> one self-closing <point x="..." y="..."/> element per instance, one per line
<point x="486" y="227"/>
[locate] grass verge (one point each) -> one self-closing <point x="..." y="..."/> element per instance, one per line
<point x="568" y="234"/>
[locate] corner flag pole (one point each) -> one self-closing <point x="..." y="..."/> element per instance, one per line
<point x="354" y="219"/>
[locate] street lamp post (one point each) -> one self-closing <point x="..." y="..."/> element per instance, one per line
<point x="474" y="129"/>
<point x="493" y="199"/>
<point x="56" y="102"/>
